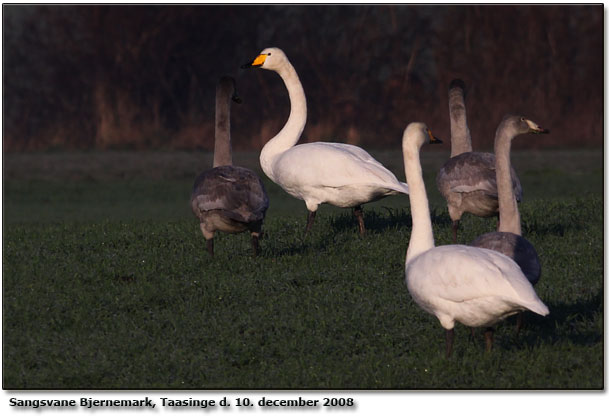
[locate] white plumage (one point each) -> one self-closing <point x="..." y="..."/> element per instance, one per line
<point x="474" y="286"/>
<point x="335" y="173"/>
<point x="457" y="283"/>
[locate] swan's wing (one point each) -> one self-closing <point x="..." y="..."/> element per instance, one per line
<point x="460" y="274"/>
<point x="237" y="191"/>
<point x="355" y="151"/>
<point x="335" y="165"/>
<point x="360" y="157"/>
<point x="469" y="172"/>
<point x="472" y="172"/>
<point x="525" y="294"/>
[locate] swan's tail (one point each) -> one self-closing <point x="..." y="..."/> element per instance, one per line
<point x="405" y="188"/>
<point x="539" y="308"/>
<point x="399" y="188"/>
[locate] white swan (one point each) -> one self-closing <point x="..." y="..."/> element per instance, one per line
<point x="474" y="286"/>
<point x="508" y="238"/>
<point x="467" y="180"/>
<point x="335" y="173"/>
<point x="228" y="198"/>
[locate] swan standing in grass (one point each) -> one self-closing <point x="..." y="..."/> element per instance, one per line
<point x="508" y="238"/>
<point x="228" y="198"/>
<point x="457" y="283"/>
<point x="467" y="180"/>
<point x="335" y="173"/>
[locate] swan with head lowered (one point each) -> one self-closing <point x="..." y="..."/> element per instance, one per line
<point x="508" y="238"/>
<point x="474" y="286"/>
<point x="468" y="180"/>
<point x="335" y="173"/>
<point x="228" y="198"/>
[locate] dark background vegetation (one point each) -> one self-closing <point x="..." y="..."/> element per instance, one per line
<point x="143" y="77"/>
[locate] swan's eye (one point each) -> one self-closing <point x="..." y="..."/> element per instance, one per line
<point x="521" y="118"/>
<point x="268" y="54"/>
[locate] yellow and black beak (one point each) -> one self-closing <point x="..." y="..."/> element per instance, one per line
<point x="540" y="130"/>
<point x="258" y="61"/>
<point x="535" y="128"/>
<point x="433" y="139"/>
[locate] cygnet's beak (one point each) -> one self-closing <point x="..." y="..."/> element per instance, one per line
<point x="541" y="130"/>
<point x="536" y="129"/>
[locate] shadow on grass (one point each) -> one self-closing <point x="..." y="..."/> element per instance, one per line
<point x="559" y="229"/>
<point x="378" y="222"/>
<point x="565" y="322"/>
<point x="292" y="242"/>
<point x="346" y="223"/>
<point x="301" y="245"/>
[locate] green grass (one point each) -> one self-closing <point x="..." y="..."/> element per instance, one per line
<point x="107" y="284"/>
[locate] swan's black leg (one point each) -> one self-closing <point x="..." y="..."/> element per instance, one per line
<point x="488" y="336"/>
<point x="210" y="246"/>
<point x="472" y="333"/>
<point x="450" y="337"/>
<point x="310" y="220"/>
<point x="519" y="322"/>
<point x="359" y="214"/>
<point x="255" y="245"/>
<point x="455" y="228"/>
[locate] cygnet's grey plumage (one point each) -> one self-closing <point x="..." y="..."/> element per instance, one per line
<point x="508" y="239"/>
<point x="460" y="137"/>
<point x="468" y="180"/>
<point x="236" y="192"/>
<point x="515" y="247"/>
<point x="228" y="198"/>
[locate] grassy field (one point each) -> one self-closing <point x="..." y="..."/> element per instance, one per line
<point x="107" y="284"/>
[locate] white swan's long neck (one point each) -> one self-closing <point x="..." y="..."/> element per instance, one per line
<point x="291" y="131"/>
<point x="223" y="154"/>
<point x="509" y="217"/>
<point x="460" y="137"/>
<point x="421" y="238"/>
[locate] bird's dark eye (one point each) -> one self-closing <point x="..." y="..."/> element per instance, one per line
<point x="268" y="54"/>
<point x="521" y="118"/>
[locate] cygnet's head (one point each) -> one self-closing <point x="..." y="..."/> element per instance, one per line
<point x="269" y="58"/>
<point x="417" y="134"/>
<point x="228" y="86"/>
<point x="520" y="125"/>
<point x="457" y="84"/>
